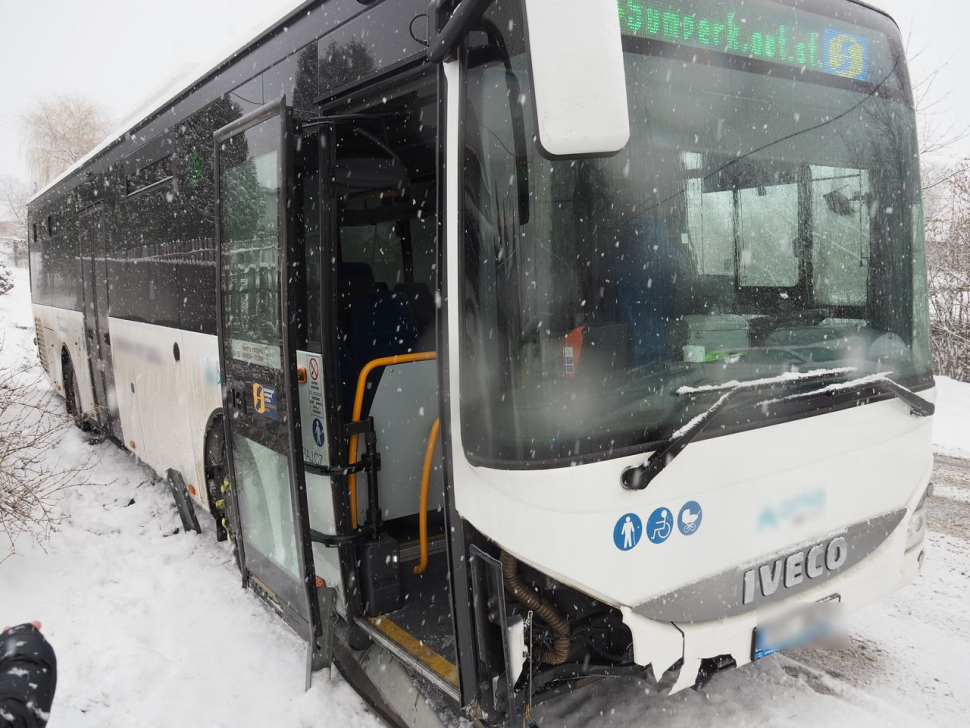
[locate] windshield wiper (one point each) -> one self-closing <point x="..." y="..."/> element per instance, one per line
<point x="638" y="478"/>
<point x="919" y="407"/>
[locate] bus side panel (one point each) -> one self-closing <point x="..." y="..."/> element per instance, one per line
<point x="156" y="382"/>
<point x="129" y="360"/>
<point x="61" y="328"/>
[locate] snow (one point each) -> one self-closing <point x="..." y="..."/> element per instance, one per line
<point x="951" y="424"/>
<point x="730" y="387"/>
<point x="152" y="628"/>
<point x="756" y="383"/>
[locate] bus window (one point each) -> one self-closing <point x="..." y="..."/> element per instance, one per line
<point x="378" y="246"/>
<point x="384" y="184"/>
<point x="424" y="251"/>
<point x="711" y="228"/>
<point x="840" y="226"/>
<point x="768" y="217"/>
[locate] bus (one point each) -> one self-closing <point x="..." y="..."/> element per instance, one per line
<point x="516" y="344"/>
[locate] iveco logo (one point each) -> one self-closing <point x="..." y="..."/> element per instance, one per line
<point x="765" y="580"/>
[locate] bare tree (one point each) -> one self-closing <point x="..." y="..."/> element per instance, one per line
<point x="34" y="467"/>
<point x="938" y="128"/>
<point x="14" y="195"/>
<point x="948" y="260"/>
<point x="59" y="131"/>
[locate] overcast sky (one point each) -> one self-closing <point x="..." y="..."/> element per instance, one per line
<point x="119" y="52"/>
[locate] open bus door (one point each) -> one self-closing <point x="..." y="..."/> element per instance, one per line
<point x="260" y="285"/>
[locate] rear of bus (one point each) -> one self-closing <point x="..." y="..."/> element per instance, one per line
<point x="763" y="221"/>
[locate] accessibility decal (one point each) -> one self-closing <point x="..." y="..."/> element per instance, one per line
<point x="627" y="531"/>
<point x="318" y="435"/>
<point x="660" y="525"/>
<point x="689" y="519"/>
<point x="264" y="401"/>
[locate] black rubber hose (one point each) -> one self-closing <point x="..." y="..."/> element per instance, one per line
<point x="541" y="608"/>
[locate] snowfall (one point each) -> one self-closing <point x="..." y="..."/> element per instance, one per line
<point x="152" y="627"/>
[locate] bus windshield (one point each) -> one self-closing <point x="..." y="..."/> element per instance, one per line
<point x="765" y="217"/>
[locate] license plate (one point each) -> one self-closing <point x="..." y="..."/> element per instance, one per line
<point x="797" y="629"/>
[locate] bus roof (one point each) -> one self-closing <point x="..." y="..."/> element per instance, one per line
<point x="184" y="80"/>
<point x="191" y="76"/>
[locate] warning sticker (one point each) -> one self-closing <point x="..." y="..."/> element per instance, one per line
<point x="315" y="385"/>
<point x="259" y="354"/>
<point x="312" y="412"/>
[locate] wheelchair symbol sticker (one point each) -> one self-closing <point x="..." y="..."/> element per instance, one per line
<point x="660" y="525"/>
<point x="690" y="518"/>
<point x="627" y="531"/>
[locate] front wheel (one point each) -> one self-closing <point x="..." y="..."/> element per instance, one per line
<point x="217" y="481"/>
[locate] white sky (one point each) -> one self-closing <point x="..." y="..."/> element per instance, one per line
<point x="119" y="52"/>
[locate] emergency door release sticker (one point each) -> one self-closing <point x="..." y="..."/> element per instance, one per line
<point x="660" y="526"/>
<point x="264" y="401"/>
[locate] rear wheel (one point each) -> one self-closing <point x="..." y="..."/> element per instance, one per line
<point x="72" y="393"/>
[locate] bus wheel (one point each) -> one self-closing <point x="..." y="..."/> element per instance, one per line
<point x="72" y="393"/>
<point x="217" y="482"/>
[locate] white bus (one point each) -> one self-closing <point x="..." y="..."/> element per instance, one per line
<point x="515" y="343"/>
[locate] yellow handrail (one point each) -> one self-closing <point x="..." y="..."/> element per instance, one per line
<point x="384" y="361"/>
<point x="423" y="509"/>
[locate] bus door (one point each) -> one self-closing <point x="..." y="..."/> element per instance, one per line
<point x="94" y="284"/>
<point x="380" y="181"/>
<point x="260" y="266"/>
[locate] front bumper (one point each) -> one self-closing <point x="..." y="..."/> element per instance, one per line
<point x="661" y="644"/>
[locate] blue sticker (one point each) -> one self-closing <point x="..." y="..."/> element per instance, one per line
<point x="318" y="431"/>
<point x="660" y="525"/>
<point x="689" y="519"/>
<point x="846" y="55"/>
<point x="627" y="531"/>
<point x="264" y="401"/>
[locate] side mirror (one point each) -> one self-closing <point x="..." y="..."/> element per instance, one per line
<point x="578" y="76"/>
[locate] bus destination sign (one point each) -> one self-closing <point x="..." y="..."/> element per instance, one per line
<point x="762" y="30"/>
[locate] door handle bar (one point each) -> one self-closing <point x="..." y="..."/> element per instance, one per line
<point x="359" y="406"/>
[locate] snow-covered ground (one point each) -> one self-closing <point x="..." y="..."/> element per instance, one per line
<point x="152" y="628"/>
<point x="951" y="424"/>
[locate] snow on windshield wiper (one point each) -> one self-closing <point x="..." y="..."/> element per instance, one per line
<point x="640" y="477"/>
<point x="919" y="407"/>
<point x="783" y="378"/>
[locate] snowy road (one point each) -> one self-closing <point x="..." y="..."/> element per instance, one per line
<point x="153" y="629"/>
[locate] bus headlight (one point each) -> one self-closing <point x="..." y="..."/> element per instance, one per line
<point x="916" y="530"/>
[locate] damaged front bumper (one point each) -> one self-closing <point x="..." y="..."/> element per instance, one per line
<point x="680" y="629"/>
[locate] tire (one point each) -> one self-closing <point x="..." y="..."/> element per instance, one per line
<point x="216" y="479"/>
<point x="72" y="394"/>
